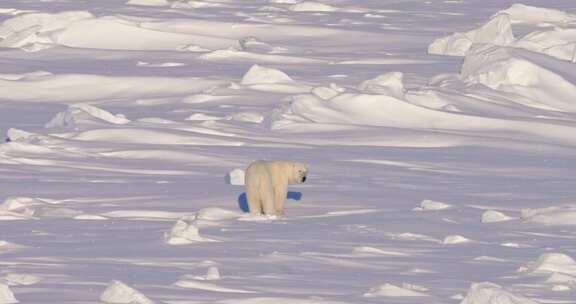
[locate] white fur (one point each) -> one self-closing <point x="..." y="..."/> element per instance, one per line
<point x="267" y="184"/>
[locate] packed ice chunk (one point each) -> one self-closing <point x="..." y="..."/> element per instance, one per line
<point x="497" y="31"/>
<point x="562" y="278"/>
<point x="185" y="231"/>
<point x="490" y="293"/>
<point x="17" y="134"/>
<point x="119" y="293"/>
<point x="390" y="290"/>
<point x="556" y="42"/>
<point x="216" y="214"/>
<point x="546" y="83"/>
<point x="551" y="262"/>
<point x="235" y="177"/>
<point x="325" y="93"/>
<point x="521" y="13"/>
<point x="148" y="2"/>
<point x="213" y="273"/>
<point x="390" y="84"/>
<point x="84" y="113"/>
<point x="253" y="44"/>
<point x="20" y="279"/>
<point x="312" y="6"/>
<point x="455" y="239"/>
<point x="493" y="216"/>
<point x="432" y="205"/>
<point x="555" y="215"/>
<point x="6" y="295"/>
<point x="247" y="116"/>
<point x="456" y="44"/>
<point x="262" y="75"/>
<point x="36" y="28"/>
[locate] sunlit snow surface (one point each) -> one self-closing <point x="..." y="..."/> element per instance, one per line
<point x="440" y="137"/>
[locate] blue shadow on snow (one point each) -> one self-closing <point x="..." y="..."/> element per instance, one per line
<point x="243" y="200"/>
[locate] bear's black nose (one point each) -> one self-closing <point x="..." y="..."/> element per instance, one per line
<point x="304" y="178"/>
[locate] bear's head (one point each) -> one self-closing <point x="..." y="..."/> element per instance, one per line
<point x="300" y="172"/>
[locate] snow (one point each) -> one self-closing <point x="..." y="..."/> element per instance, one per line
<point x="185" y="232"/>
<point x="259" y="75"/>
<point x="496" y="31"/>
<point x="119" y="293"/>
<point x="493" y="216"/>
<point x="148" y="2"/>
<point x="521" y="13"/>
<point x="553" y="262"/>
<point x="311" y="6"/>
<point x="557" y="41"/>
<point x="81" y="113"/>
<point x="6" y="295"/>
<point x="389" y="290"/>
<point x="490" y="293"/>
<point x="434" y="179"/>
<point x="432" y="205"/>
<point x="455" y="239"/>
<point x="553" y="215"/>
<point x="235" y="177"/>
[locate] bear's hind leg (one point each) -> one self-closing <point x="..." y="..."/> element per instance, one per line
<point x="268" y="200"/>
<point x="254" y="202"/>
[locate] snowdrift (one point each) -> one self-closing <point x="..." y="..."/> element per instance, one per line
<point x="384" y="103"/>
<point x="547" y="83"/>
<point x="76" y="88"/>
<point x="557" y="39"/>
<point x="490" y="293"/>
<point x="81" y="29"/>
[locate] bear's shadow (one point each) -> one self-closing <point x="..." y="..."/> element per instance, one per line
<point x="243" y="200"/>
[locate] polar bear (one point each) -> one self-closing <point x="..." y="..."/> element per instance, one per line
<point x="267" y="184"/>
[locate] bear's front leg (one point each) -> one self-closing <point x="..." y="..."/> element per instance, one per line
<point x="280" y="192"/>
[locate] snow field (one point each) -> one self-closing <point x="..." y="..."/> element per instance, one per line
<point x="433" y="179"/>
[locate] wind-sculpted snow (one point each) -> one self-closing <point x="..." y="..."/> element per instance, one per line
<point x="81" y="87"/>
<point x="489" y="293"/>
<point x="433" y="179"/>
<point x="391" y="107"/>
<point x="552" y="33"/>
